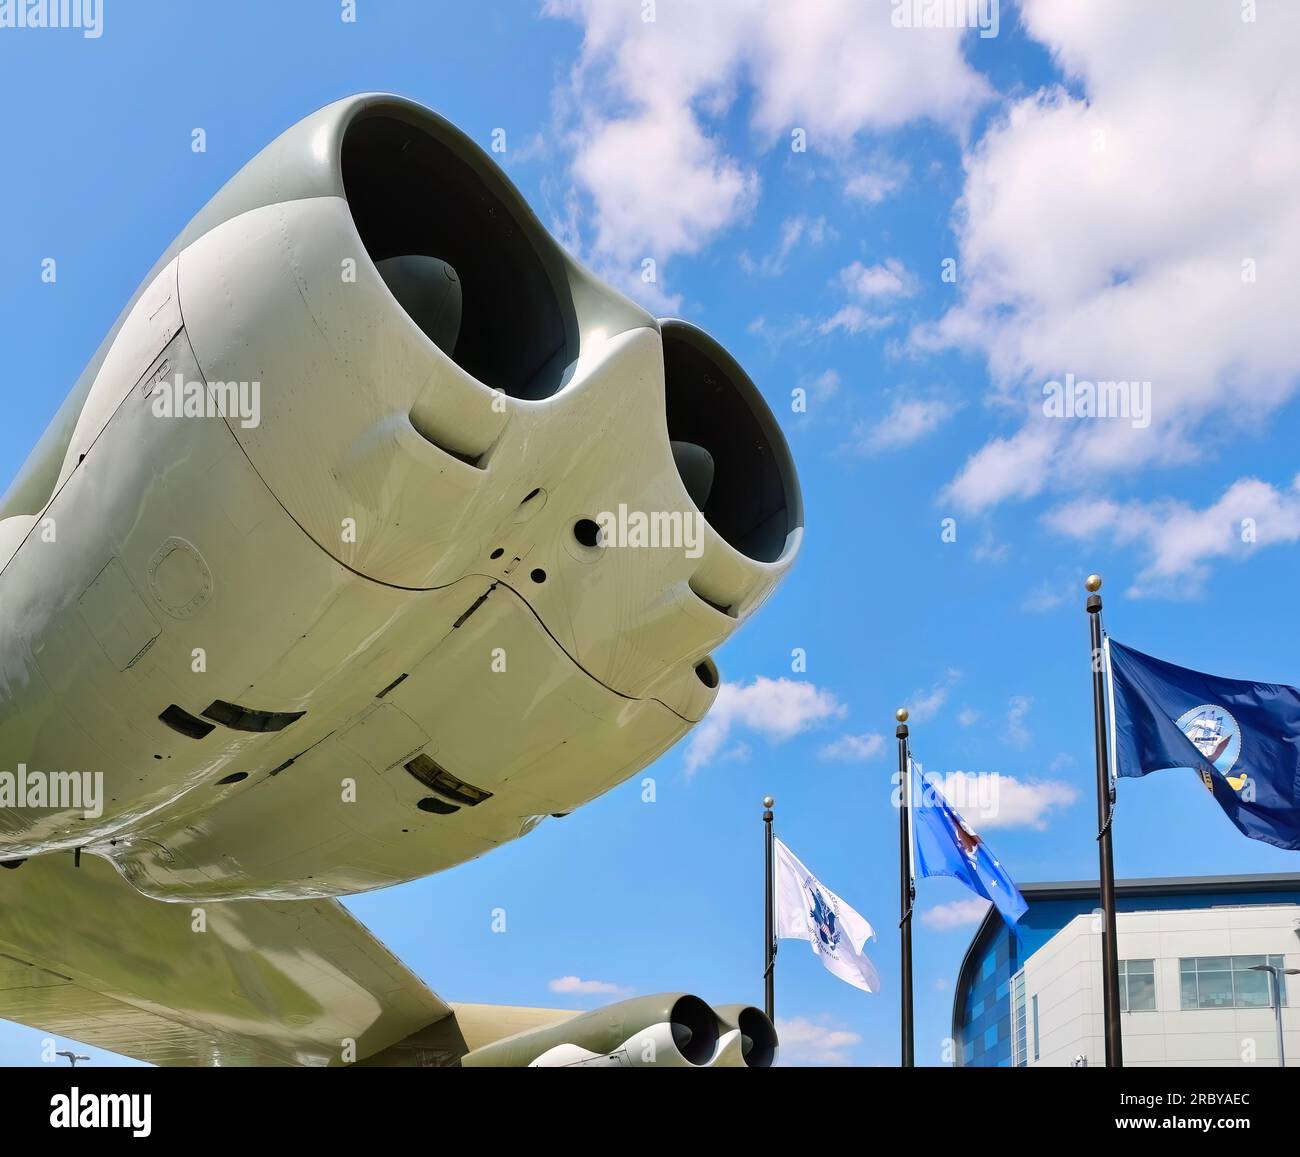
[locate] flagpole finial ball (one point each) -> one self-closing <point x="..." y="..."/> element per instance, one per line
<point x="1093" y="583"/>
<point x="768" y="802"/>
<point x="901" y="715"/>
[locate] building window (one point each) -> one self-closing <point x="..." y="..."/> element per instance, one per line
<point x="1035" y="1026"/>
<point x="1018" y="1020"/>
<point x="1137" y="985"/>
<point x="1226" y="982"/>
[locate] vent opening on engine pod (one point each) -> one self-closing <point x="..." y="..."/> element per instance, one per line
<point x="438" y="779"/>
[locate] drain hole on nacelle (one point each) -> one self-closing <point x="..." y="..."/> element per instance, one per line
<point x="437" y="806"/>
<point x="178" y="719"/>
<point x="587" y="532"/>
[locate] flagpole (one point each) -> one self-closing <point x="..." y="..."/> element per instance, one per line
<point x="905" y="892"/>
<point x="1105" y="806"/>
<point x="769" y="941"/>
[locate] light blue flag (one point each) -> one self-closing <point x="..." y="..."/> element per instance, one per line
<point x="946" y="845"/>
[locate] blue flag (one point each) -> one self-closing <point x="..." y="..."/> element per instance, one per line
<point x="947" y="846"/>
<point x="1243" y="738"/>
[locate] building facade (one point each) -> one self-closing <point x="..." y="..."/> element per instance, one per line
<point x="1189" y="991"/>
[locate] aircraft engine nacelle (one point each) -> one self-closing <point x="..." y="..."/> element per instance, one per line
<point x="385" y="530"/>
<point x="669" y="1031"/>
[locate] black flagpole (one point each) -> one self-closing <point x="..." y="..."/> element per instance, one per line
<point x="769" y="940"/>
<point x="1105" y="808"/>
<point x="905" y="889"/>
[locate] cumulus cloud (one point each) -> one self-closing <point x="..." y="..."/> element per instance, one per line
<point x="795" y="231"/>
<point x="777" y="709"/>
<point x="644" y="98"/>
<point x="874" y="182"/>
<point x="890" y="278"/>
<point x="1017" y="710"/>
<point x="853" y="319"/>
<point x="925" y="705"/>
<point x="907" y="422"/>
<point x="993" y="800"/>
<point x="1178" y="541"/>
<point x="574" y="985"/>
<point x="1133" y="227"/>
<point x="854" y="748"/>
<point x="817" y="1042"/>
<point x="955" y="914"/>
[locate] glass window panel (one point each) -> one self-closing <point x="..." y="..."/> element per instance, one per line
<point x="1248" y="961"/>
<point x="1141" y="967"/>
<point x="1212" y="963"/>
<point x="1215" y="989"/>
<point x="1141" y="993"/>
<point x="1187" y="994"/>
<point x="1035" y="1002"/>
<point x="1252" y="989"/>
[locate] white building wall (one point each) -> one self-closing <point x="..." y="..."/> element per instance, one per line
<point x="1065" y="975"/>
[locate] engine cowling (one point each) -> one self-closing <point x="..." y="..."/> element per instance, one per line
<point x="672" y="1030"/>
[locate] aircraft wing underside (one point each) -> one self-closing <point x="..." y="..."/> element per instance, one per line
<point x="85" y="956"/>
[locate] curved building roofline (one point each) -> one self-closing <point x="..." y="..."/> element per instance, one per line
<point x="1136" y="887"/>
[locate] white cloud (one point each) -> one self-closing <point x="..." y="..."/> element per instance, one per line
<point x="819" y="1042"/>
<point x="825" y="385"/>
<point x="1179" y="541"/>
<point x="664" y="186"/>
<point x="1017" y="709"/>
<point x="989" y="549"/>
<point x="967" y="716"/>
<point x="876" y="182"/>
<point x="868" y="282"/>
<point x="993" y="800"/>
<point x="853" y="319"/>
<point x="1047" y="596"/>
<point x="810" y="231"/>
<point x="854" y="748"/>
<point x="573" y="985"/>
<point x="1014" y="467"/>
<point x="1103" y="231"/>
<point x="908" y="421"/>
<point x="777" y="709"/>
<point x="955" y="914"/>
<point x="926" y="704"/>
<point x="640" y="102"/>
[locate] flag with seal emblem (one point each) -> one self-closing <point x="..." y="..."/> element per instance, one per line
<point x="946" y="845"/>
<point x="808" y="910"/>
<point x="1243" y="738"/>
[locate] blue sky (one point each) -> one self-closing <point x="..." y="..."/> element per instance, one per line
<point x="1113" y="186"/>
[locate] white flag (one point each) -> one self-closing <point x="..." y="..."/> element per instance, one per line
<point x="808" y="910"/>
